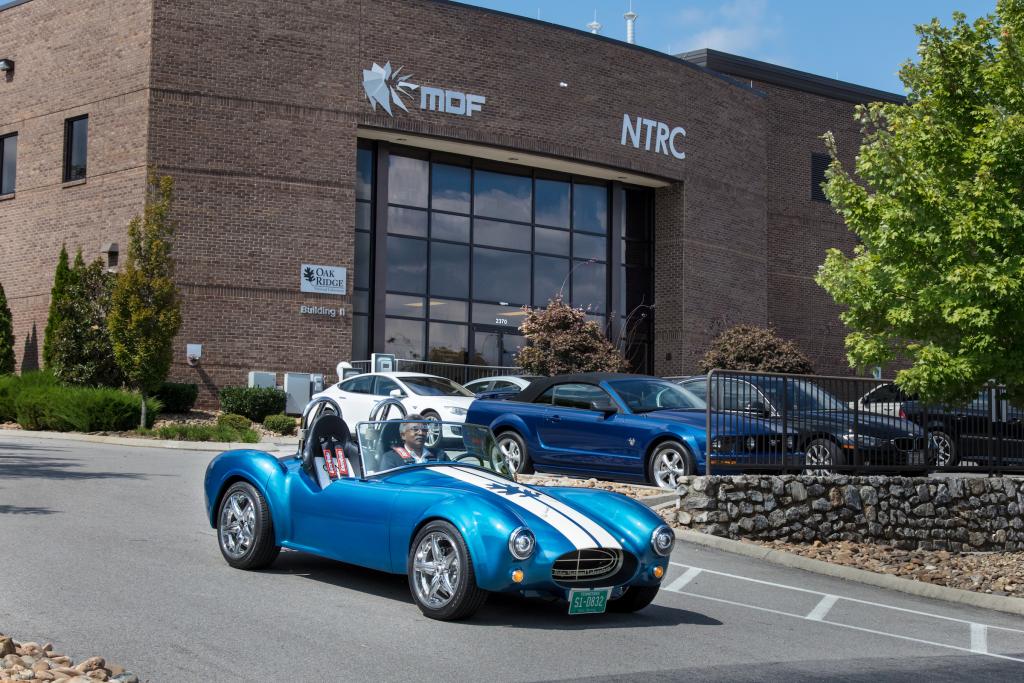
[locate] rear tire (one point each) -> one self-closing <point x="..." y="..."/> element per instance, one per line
<point x="513" y="449"/>
<point x="245" y="530"/>
<point x="634" y="599"/>
<point x="823" y="452"/>
<point x="945" y="449"/>
<point x="441" y="576"/>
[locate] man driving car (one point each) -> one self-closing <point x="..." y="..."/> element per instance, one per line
<point x="413" y="432"/>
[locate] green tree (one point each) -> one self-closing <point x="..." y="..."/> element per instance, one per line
<point x="560" y="339"/>
<point x="938" y="276"/>
<point x="57" y="295"/>
<point x="144" y="314"/>
<point x="6" y="336"/>
<point x="81" y="351"/>
<point x="747" y="347"/>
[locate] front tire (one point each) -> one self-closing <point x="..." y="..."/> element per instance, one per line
<point x="945" y="449"/>
<point x="441" y="576"/>
<point x="825" y="454"/>
<point x="669" y="461"/>
<point x="245" y="530"/>
<point x="434" y="435"/>
<point x="513" y="449"/>
<point x="634" y="599"/>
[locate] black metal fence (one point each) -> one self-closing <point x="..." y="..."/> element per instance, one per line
<point x="454" y="371"/>
<point x="821" y="424"/>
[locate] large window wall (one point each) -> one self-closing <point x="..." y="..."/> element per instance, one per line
<point x="467" y="243"/>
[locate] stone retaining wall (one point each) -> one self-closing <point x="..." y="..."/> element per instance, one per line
<point x="954" y="514"/>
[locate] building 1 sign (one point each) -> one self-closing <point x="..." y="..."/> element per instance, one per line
<point x="665" y="139"/>
<point x="318" y="279"/>
<point x="324" y="311"/>
<point x="385" y="87"/>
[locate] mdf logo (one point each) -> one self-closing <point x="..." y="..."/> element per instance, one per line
<point x="385" y="87"/>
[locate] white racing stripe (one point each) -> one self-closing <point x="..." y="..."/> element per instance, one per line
<point x="590" y="526"/>
<point x="530" y="501"/>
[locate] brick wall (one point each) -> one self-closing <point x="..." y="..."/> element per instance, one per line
<point x="70" y="59"/>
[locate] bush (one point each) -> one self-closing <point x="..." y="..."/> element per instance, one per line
<point x="757" y="349"/>
<point x="237" y="422"/>
<point x="562" y="340"/>
<point x="177" y="397"/>
<point x="220" y="432"/>
<point x="81" y="409"/>
<point x="255" y="403"/>
<point x="280" y="424"/>
<point x="8" y="391"/>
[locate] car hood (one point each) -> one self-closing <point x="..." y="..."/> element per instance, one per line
<point x="588" y="521"/>
<point x="868" y="424"/>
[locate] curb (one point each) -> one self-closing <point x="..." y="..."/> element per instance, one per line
<point x="149" y="443"/>
<point x="999" y="603"/>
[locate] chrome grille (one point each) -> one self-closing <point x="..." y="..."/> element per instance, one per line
<point x="586" y="566"/>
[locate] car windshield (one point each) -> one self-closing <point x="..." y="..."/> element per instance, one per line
<point x="801" y="395"/>
<point x="392" y="444"/>
<point x="647" y="395"/>
<point x="435" y="386"/>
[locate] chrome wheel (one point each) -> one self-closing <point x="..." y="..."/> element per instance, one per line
<point x="818" y="459"/>
<point x="944" y="449"/>
<point x="433" y="431"/>
<point x="669" y="465"/>
<point x="237" y="524"/>
<point x="511" y="452"/>
<point x="436" y="570"/>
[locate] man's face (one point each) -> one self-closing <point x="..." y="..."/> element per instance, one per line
<point x="414" y="435"/>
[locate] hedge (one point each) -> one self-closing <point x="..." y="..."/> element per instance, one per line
<point x="220" y="432"/>
<point x="255" y="403"/>
<point x="177" y="397"/>
<point x="280" y="424"/>
<point x="237" y="422"/>
<point x="80" y="409"/>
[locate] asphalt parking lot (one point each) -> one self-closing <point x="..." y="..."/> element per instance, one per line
<point x="105" y="550"/>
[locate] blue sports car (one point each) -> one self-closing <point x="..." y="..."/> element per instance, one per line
<point x="617" y="426"/>
<point x="455" y="522"/>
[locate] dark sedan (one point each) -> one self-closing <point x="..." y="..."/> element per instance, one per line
<point x="828" y="432"/>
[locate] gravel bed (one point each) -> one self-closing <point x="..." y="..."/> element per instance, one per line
<point x="34" y="662"/>
<point x="632" y="490"/>
<point x="998" y="573"/>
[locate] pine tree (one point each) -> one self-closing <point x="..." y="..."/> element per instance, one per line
<point x="57" y="294"/>
<point x="6" y="336"/>
<point x="144" y="313"/>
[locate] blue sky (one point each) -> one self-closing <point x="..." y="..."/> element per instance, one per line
<point x="863" y="42"/>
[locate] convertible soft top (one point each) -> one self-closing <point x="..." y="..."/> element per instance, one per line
<point x="539" y="386"/>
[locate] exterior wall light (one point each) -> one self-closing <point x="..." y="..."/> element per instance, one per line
<point x="193" y="352"/>
<point x="7" y="65"/>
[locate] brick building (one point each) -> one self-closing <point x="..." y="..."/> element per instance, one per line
<point x="449" y="163"/>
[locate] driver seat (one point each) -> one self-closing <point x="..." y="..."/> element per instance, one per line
<point x="330" y="433"/>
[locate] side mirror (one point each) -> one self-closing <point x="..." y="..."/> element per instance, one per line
<point x="604" y="406"/>
<point x="758" y="408"/>
<point x="397" y="393"/>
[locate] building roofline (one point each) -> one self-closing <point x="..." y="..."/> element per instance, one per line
<point x="744" y="67"/>
<point x="13" y="4"/>
<point x="728" y="78"/>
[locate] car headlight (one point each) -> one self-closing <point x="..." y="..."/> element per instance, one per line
<point x="662" y="540"/>
<point x="790" y="443"/>
<point x="456" y="410"/>
<point x="751" y="443"/>
<point x="864" y="440"/>
<point x="521" y="543"/>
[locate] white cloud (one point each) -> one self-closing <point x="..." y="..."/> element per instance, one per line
<point x="744" y="27"/>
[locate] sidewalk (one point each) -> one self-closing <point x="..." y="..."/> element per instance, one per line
<point x="283" y="443"/>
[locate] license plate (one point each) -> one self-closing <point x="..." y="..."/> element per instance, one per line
<point x="584" y="601"/>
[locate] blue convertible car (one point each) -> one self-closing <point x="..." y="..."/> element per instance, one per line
<point x="455" y="522"/>
<point x="631" y="427"/>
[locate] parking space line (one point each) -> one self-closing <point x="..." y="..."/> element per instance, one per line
<point x="821" y="610"/>
<point x="979" y="639"/>
<point x="687" y="576"/>
<point x="848" y="626"/>
<point x="843" y="597"/>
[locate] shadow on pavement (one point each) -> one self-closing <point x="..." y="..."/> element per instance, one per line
<point x="31" y="467"/>
<point x="17" y="510"/>
<point x="500" y="609"/>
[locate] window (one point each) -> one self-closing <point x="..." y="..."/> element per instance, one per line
<point x="501" y="276"/>
<point x="358" y="385"/>
<point x="76" y="142"/>
<point x="819" y="163"/>
<point x="578" y="396"/>
<point x="385" y="386"/>
<point x="8" y="162"/>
